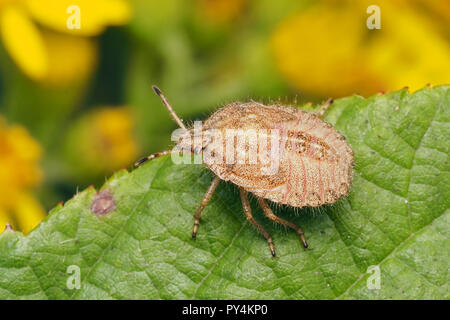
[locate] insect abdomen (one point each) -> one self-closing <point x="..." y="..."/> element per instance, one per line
<point x="315" y="164"/>
<point x="319" y="163"/>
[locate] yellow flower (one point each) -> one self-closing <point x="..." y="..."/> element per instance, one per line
<point x="102" y="142"/>
<point x="113" y="133"/>
<point x="72" y="58"/>
<point x="329" y="51"/>
<point x="35" y="52"/>
<point x="19" y="173"/>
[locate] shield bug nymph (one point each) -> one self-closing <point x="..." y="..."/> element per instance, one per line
<point x="307" y="162"/>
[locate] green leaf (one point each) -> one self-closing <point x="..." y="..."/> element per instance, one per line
<point x="396" y="219"/>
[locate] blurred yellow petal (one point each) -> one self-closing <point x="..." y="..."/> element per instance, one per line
<point x="73" y="58"/>
<point x="19" y="170"/>
<point x="118" y="12"/>
<point x="26" y="153"/>
<point x="438" y="7"/>
<point x="95" y="15"/>
<point x="28" y="213"/>
<point x="22" y="144"/>
<point x="321" y="56"/>
<point x="23" y="42"/>
<point x="407" y="51"/>
<point x="113" y="128"/>
<point x="328" y="51"/>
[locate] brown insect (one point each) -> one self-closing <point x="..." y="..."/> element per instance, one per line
<point x="315" y="163"/>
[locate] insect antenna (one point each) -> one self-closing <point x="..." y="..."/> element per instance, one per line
<point x="168" y="107"/>
<point x="174" y="117"/>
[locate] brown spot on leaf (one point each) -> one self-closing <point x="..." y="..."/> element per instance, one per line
<point x="103" y="203"/>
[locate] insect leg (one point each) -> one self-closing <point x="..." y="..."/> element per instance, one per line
<point x="249" y="216"/>
<point x="150" y="157"/>
<point x="324" y="108"/>
<point x="269" y="214"/>
<point x="206" y="198"/>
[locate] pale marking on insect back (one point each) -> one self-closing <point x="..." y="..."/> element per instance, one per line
<point x="320" y="181"/>
<point x="304" y="180"/>
<point x="299" y="116"/>
<point x="288" y="183"/>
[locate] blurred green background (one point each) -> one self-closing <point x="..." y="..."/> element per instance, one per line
<point x="77" y="104"/>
